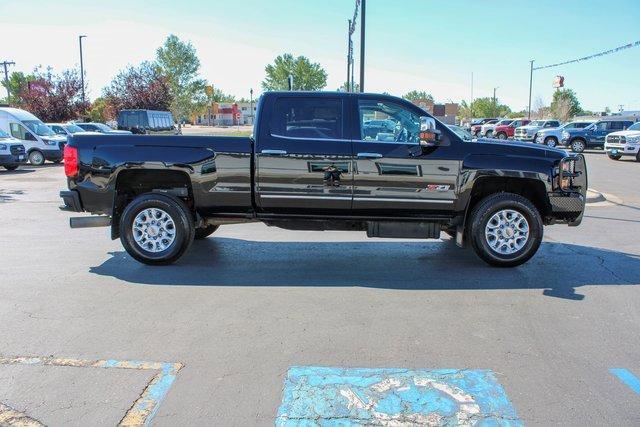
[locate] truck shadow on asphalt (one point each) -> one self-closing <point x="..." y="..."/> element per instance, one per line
<point x="558" y="269"/>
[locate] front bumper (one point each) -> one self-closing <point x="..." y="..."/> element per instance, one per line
<point x="71" y="200"/>
<point x="13" y="159"/>
<point x="622" y="150"/>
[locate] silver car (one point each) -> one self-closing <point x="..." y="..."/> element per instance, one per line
<point x="553" y="136"/>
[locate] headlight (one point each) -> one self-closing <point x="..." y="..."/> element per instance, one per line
<point x="565" y="134"/>
<point x="633" y="139"/>
<point x="3" y="146"/>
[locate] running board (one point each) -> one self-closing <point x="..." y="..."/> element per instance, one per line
<point x="89" y="221"/>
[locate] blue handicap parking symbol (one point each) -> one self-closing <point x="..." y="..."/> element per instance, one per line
<point x="323" y="396"/>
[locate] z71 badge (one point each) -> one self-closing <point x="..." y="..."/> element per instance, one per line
<point x="438" y="187"/>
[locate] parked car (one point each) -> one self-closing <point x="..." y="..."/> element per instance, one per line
<point x="102" y="128"/>
<point x="624" y="143"/>
<point x="311" y="167"/>
<point x="476" y="125"/>
<point x="592" y="136"/>
<point x="12" y="152"/>
<point x="488" y="128"/>
<point x="528" y="132"/>
<point x="66" y="129"/>
<point x="40" y="142"/>
<point x="552" y="136"/>
<point x="507" y="131"/>
<point x="375" y="127"/>
<point x="147" y="122"/>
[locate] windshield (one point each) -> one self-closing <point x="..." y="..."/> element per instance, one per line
<point x="39" y="128"/>
<point x="103" y="127"/>
<point x="536" y="123"/>
<point x="504" y="122"/>
<point x="635" y="126"/>
<point x="73" y="128"/>
<point x="462" y="133"/>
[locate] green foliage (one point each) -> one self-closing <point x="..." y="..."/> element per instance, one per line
<point x="517" y="114"/>
<point x="565" y="104"/>
<point x="179" y="64"/>
<point x="219" y="96"/>
<point x="306" y="75"/>
<point x="418" y="94"/>
<point x="16" y="83"/>
<point x="100" y="111"/>
<point x="483" y="107"/>
<point x="345" y="87"/>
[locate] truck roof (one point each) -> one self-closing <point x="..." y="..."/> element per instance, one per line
<point x="18" y="113"/>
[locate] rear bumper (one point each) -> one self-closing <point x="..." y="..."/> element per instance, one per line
<point x="71" y="200"/>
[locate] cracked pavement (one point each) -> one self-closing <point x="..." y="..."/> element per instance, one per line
<point x="250" y="302"/>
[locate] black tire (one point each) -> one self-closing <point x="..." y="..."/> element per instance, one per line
<point x="36" y="158"/>
<point x="614" y="157"/>
<point x="551" y="141"/>
<point x="488" y="134"/>
<point x="178" y="213"/>
<point x="484" y="211"/>
<point x="638" y="157"/>
<point x="578" y="145"/>
<point x="12" y="167"/>
<point x="204" y="232"/>
<point x="501" y="135"/>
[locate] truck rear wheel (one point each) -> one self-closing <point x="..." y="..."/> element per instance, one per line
<point x="156" y="229"/>
<point x="204" y="232"/>
<point x="505" y="229"/>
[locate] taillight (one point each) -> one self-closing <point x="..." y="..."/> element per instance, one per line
<point x="70" y="161"/>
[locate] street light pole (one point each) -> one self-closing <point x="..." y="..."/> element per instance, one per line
<point x="5" y="64"/>
<point x="530" y="87"/>
<point x="81" y="67"/>
<point x="349" y="56"/>
<point x="362" y="34"/>
<point x="251" y="103"/>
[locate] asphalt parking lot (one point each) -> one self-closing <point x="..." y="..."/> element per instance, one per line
<point x="91" y="337"/>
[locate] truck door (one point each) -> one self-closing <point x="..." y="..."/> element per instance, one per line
<point x="393" y="175"/>
<point x="303" y="160"/>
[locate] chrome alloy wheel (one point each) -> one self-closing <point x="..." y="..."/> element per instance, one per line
<point x="154" y="230"/>
<point x="507" y="231"/>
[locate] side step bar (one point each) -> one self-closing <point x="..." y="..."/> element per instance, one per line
<point x="89" y="221"/>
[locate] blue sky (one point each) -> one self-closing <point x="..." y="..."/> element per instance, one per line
<point x="411" y="44"/>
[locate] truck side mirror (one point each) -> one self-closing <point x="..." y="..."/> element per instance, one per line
<point x="429" y="135"/>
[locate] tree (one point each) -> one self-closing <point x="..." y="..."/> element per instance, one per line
<point x="306" y="75"/>
<point x="565" y="104"/>
<point x="101" y="111"/>
<point x="483" y="107"/>
<point x="143" y="87"/>
<point x="51" y="97"/>
<point x="418" y="94"/>
<point x="220" y="96"/>
<point x="179" y="64"/>
<point x="16" y="82"/>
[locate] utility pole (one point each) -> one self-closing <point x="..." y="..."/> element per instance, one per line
<point x="530" y="87"/>
<point x="81" y="67"/>
<point x="251" y="103"/>
<point x="471" y="103"/>
<point x="362" y="35"/>
<point x="5" y="64"/>
<point x="494" y="93"/>
<point x="349" y="56"/>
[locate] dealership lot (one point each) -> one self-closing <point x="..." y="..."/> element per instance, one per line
<point x="222" y="331"/>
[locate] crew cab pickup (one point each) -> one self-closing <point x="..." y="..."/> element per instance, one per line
<point x="310" y="165"/>
<point x="594" y="135"/>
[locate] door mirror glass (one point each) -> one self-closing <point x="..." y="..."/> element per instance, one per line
<point x="429" y="135"/>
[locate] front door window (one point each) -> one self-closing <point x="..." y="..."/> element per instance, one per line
<point x="385" y="121"/>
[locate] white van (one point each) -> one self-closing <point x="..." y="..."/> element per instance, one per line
<point x="40" y="142"/>
<point x="11" y="152"/>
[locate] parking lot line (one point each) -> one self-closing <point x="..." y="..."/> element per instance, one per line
<point x="627" y="378"/>
<point x="348" y="396"/>
<point x="145" y="407"/>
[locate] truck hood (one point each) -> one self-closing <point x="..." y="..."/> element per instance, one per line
<point x="513" y="148"/>
<point x="625" y="133"/>
<point x="528" y="127"/>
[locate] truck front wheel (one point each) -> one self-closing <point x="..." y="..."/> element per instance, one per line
<point x="156" y="229"/>
<point x="505" y="229"/>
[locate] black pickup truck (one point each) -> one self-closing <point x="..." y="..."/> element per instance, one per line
<point x="314" y="164"/>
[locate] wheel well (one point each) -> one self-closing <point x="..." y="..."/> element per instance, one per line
<point x="551" y="137"/>
<point x="132" y="183"/>
<point x="531" y="189"/>
<point x="578" y="138"/>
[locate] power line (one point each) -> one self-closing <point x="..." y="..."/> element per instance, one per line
<point x="595" y="55"/>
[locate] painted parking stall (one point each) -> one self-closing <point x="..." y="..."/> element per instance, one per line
<point x="364" y="396"/>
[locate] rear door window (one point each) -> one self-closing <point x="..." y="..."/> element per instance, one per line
<point x="315" y="118"/>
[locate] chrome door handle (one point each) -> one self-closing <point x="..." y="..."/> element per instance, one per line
<point x="369" y="155"/>
<point x="273" y="152"/>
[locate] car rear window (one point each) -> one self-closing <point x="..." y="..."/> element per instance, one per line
<point x="319" y="118"/>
